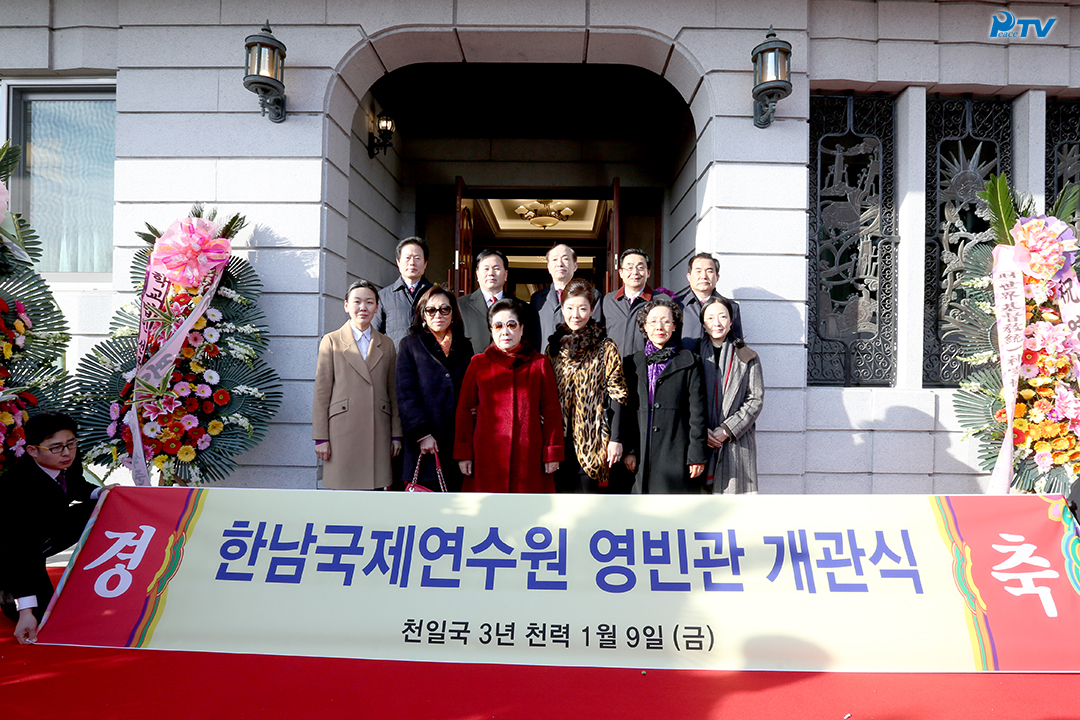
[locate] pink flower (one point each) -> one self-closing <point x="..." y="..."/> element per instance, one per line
<point x="203" y="390"/>
<point x="1055" y="339"/>
<point x="20" y="310"/>
<point x="189" y="421"/>
<point x="1044" y="460"/>
<point x="1066" y="402"/>
<point x="111" y="430"/>
<point x="20" y="448"/>
<point x="1047" y="242"/>
<point x="203" y="442"/>
<point x="169" y="403"/>
<point x="152" y="410"/>
<point x="183" y="389"/>
<point x="1028" y="371"/>
<point x="195" y="338"/>
<point x="114" y="411"/>
<point x="189" y="250"/>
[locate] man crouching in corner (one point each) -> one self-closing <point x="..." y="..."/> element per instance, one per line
<point x="45" y="502"/>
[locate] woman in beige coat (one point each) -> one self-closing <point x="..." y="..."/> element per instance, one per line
<point x="354" y="416"/>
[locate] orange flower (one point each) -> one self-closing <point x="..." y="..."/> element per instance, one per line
<point x="1020" y="410"/>
<point x="1060" y="443"/>
<point x="1051" y="429"/>
<point x="1000" y="416"/>
<point x="1041" y="446"/>
<point x="1061" y="458"/>
<point x="1035" y="431"/>
<point x="188" y="351"/>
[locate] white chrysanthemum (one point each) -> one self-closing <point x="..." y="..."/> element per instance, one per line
<point x="211" y="377"/>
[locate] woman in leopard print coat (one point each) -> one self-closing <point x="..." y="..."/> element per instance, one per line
<point x="592" y="392"/>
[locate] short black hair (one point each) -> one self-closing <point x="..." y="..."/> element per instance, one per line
<point x="488" y="252"/>
<point x="46" y="425"/>
<point x="635" y="251"/>
<point x="702" y="256"/>
<point x="730" y="305"/>
<point x="361" y="283"/>
<point x="661" y="300"/>
<point x="520" y="312"/>
<point x="419" y="241"/>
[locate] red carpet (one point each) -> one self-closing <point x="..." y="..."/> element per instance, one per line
<point x="43" y="682"/>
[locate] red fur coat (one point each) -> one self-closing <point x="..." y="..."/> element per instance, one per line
<point x="518" y="425"/>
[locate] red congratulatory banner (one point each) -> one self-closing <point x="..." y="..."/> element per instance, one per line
<point x="843" y="583"/>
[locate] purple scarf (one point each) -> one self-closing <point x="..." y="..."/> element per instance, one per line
<point x="655" y="368"/>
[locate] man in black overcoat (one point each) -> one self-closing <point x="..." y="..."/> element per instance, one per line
<point x="45" y="503"/>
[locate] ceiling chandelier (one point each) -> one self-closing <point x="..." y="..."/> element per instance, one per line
<point x="544" y="213"/>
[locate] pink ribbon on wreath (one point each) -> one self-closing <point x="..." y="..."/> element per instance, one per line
<point x="189" y="251"/>
<point x="1009" y="306"/>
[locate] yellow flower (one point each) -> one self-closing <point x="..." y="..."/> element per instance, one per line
<point x="1060" y="458"/>
<point x="1060" y="444"/>
<point x="1041" y="446"/>
<point x="1020" y="411"/>
<point x="1035" y="432"/>
<point x="214" y="427"/>
<point x="200" y="323"/>
<point x="7" y="351"/>
<point x="1021" y="424"/>
<point x="159" y="461"/>
<point x="1027" y="393"/>
<point x="7" y="418"/>
<point x="19" y="327"/>
<point x="186" y="454"/>
<point x="196" y="367"/>
<point x="1052" y="429"/>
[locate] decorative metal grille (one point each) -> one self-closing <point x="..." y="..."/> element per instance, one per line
<point x="967" y="140"/>
<point x="1062" y="145"/>
<point x="852" y="279"/>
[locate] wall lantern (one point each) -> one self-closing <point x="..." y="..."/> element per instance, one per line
<point x="265" y="72"/>
<point x="772" y="77"/>
<point x="385" y="126"/>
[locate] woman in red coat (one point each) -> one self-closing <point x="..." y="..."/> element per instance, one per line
<point x="509" y="432"/>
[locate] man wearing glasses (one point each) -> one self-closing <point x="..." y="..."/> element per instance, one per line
<point x="619" y="309"/>
<point x="45" y="502"/>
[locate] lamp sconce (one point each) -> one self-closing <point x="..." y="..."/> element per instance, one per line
<point x="265" y="63"/>
<point x="772" y="77"/>
<point x="385" y="125"/>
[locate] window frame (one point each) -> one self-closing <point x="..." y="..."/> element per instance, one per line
<point x="13" y="92"/>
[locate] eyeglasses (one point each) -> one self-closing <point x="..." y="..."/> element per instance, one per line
<point x="640" y="267"/>
<point x="443" y="310"/>
<point x="659" y="323"/>
<point x="60" y="449"/>
<point x="510" y="325"/>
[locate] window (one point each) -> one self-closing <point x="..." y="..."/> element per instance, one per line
<point x="1062" y="145"/>
<point x="64" y="183"/>
<point x="852" y="275"/>
<point x="967" y="140"/>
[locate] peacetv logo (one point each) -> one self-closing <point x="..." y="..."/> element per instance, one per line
<point x="1011" y="27"/>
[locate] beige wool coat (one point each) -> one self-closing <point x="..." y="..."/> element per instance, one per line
<point x="355" y="408"/>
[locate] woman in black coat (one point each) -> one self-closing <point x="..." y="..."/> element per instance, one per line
<point x="664" y="381"/>
<point x="431" y="364"/>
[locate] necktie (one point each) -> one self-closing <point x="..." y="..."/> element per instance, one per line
<point x="491" y="301"/>
<point x="62" y="481"/>
<point x="558" y="295"/>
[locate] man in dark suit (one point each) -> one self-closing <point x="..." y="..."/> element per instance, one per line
<point x="702" y="272"/>
<point x="562" y="264"/>
<point x="45" y="503"/>
<point x="619" y="309"/>
<point x="492" y="269"/>
<point x="397" y="301"/>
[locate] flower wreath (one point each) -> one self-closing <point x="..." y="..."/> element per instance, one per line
<point x="33" y="333"/>
<point x="1019" y="327"/>
<point x="215" y="399"/>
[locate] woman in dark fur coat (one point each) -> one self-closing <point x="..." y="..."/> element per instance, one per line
<point x="431" y="364"/>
